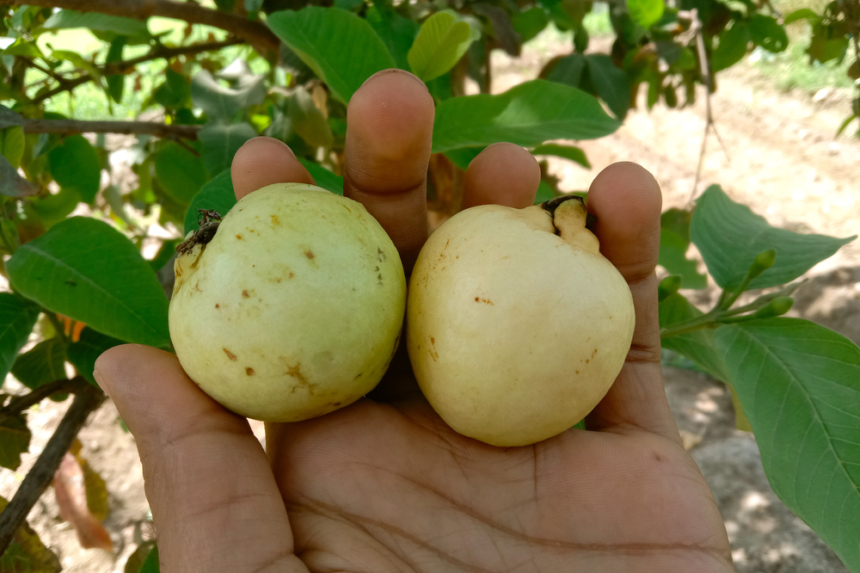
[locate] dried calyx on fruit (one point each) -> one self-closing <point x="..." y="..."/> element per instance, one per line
<point x="516" y="324"/>
<point x="291" y="306"/>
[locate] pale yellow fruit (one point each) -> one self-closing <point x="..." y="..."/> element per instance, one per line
<point x="294" y="309"/>
<point x="516" y="325"/>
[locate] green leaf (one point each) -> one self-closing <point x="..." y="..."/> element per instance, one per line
<point x="179" y="172"/>
<point x="75" y="163"/>
<point x="9" y="118"/>
<point x="54" y="208"/>
<point x="344" y="64"/>
<point x="826" y="44"/>
<point x="83" y="353"/>
<point x="544" y="193"/>
<point x="220" y="102"/>
<point x="253" y="5"/>
<point x="395" y="31"/>
<point x="11" y="182"/>
<point x="65" y="19"/>
<point x="308" y="121"/>
<point x="766" y="32"/>
<point x="12" y="144"/>
<point x="801" y="14"/>
<point x="17" y="318"/>
<point x="221" y="141"/>
<point x="463" y="156"/>
<point x="730" y="236"/>
<point x="441" y="42"/>
<point x="348" y="5"/>
<point x="699" y="345"/>
<point x="645" y="12"/>
<point x="530" y="23"/>
<point x="90" y="272"/>
<point x="575" y="154"/>
<point x="218" y="195"/>
<point x="116" y="82"/>
<point x="610" y="83"/>
<point x="151" y="565"/>
<point x="674" y="242"/>
<point x="44" y="363"/>
<point x="527" y="115"/>
<point x="174" y="92"/>
<point x="14" y="440"/>
<point x="799" y="384"/>
<point x="568" y="70"/>
<point x="323" y="177"/>
<point x="732" y="47"/>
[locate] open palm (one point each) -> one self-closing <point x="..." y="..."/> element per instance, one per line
<point x="384" y="485"/>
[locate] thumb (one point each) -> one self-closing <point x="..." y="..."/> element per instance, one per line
<point x="213" y="496"/>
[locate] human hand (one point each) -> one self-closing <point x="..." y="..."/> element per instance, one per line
<point x="384" y="485"/>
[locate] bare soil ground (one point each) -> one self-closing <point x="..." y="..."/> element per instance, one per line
<point x="780" y="158"/>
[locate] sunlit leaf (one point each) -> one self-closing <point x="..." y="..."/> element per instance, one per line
<point x="344" y="64"/>
<point x="441" y="42"/>
<point x="90" y="272"/>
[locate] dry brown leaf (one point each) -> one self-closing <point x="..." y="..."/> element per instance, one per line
<point x="71" y="493"/>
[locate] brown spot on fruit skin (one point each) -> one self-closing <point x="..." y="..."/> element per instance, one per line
<point x="239" y="237"/>
<point x="245" y="294"/>
<point x="230" y="355"/>
<point x="249" y="371"/>
<point x="380" y="256"/>
<point x="484" y="300"/>
<point x="217" y="305"/>
<point x="432" y="340"/>
<point x="292" y="275"/>
<point x="275" y="220"/>
<point x="296" y="372"/>
<point x="309" y="254"/>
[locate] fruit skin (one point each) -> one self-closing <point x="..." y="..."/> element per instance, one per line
<point x="515" y="333"/>
<point x="295" y="307"/>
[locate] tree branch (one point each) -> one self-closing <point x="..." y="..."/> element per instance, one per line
<point x="73" y="126"/>
<point x="125" y="65"/>
<point x="255" y="33"/>
<point x="40" y="476"/>
<point x="21" y="403"/>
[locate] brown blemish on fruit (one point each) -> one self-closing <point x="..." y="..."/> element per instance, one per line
<point x="292" y="275"/>
<point x="432" y="340"/>
<point x="309" y="254"/>
<point x="217" y="305"/>
<point x="587" y="360"/>
<point x="484" y="300"/>
<point x="336" y="404"/>
<point x="229" y="354"/>
<point x="347" y="208"/>
<point x="249" y="371"/>
<point x="577" y="371"/>
<point x="380" y="256"/>
<point x="433" y="355"/>
<point x="296" y="372"/>
<point x="239" y="237"/>
<point x="245" y="294"/>
<point x="197" y="287"/>
<point x="275" y="220"/>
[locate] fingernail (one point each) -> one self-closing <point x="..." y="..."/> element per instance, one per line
<point x="400" y="72"/>
<point x="262" y="138"/>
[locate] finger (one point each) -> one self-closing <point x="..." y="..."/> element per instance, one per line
<point x="388" y="138"/>
<point x="264" y="161"/>
<point x="502" y="174"/>
<point x="627" y="202"/>
<point x="213" y="496"/>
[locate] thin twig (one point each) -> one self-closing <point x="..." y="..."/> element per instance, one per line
<point x="64" y="386"/>
<point x="121" y="67"/>
<point x="39" y="477"/>
<point x="73" y="126"/>
<point x="255" y="33"/>
<point x="707" y="81"/>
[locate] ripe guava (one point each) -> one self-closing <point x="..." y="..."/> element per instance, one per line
<point x="293" y="309"/>
<point x="516" y="325"/>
